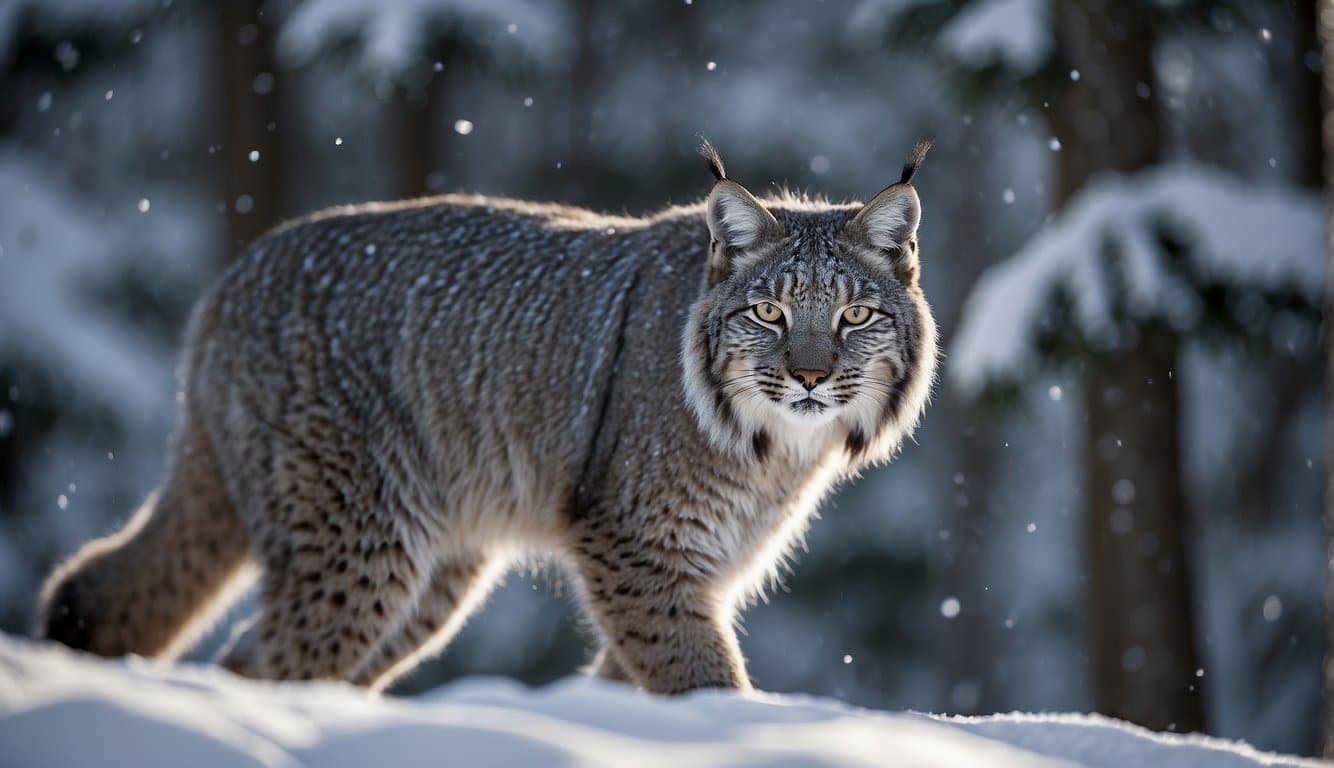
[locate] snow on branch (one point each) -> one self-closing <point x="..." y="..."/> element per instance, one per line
<point x="391" y="37"/>
<point x="1109" y="255"/>
<point x="58" y="255"/>
<point x="878" y="14"/>
<point x="976" y="34"/>
<point x="1012" y="33"/>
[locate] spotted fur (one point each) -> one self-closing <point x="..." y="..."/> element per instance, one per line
<point x="385" y="407"/>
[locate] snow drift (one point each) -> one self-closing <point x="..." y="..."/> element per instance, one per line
<point x="59" y="708"/>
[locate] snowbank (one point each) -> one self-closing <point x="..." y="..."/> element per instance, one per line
<point x="1264" y="238"/>
<point x="58" y="708"/>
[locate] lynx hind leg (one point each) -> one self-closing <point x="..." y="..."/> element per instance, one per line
<point x="457" y="587"/>
<point x="325" y="610"/>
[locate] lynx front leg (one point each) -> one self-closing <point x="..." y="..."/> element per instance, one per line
<point x="665" y="627"/>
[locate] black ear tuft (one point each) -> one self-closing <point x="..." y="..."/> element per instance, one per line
<point x="914" y="160"/>
<point x="715" y="160"/>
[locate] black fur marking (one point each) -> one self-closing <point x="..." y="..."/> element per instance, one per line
<point x="723" y="408"/>
<point x="707" y="151"/>
<point x="896" y="392"/>
<point x="913" y="162"/>
<point x="856" y="443"/>
<point x="759" y="442"/>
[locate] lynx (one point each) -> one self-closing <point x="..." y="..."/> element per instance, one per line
<point x="385" y="407"/>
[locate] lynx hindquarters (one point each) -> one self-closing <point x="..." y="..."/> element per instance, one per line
<point x="151" y="587"/>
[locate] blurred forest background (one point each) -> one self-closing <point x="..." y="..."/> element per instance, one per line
<point x="1115" y="501"/>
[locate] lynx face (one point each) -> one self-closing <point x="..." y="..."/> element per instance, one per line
<point x="812" y="324"/>
<point x="811" y="335"/>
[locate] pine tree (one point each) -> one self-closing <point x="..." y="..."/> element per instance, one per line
<point x="1086" y="66"/>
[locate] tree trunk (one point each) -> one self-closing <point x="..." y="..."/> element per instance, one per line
<point x="422" y="140"/>
<point x="579" y="164"/>
<point x="1325" y="14"/>
<point x="1137" y="588"/>
<point x="1309" y="99"/>
<point x="414" y="143"/>
<point x="1138" y="592"/>
<point x="251" y="188"/>
<point x="974" y="639"/>
<point x="972" y="642"/>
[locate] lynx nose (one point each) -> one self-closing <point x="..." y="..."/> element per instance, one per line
<point x="810" y="377"/>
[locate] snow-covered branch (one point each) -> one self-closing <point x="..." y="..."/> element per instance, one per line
<point x="389" y="37"/>
<point x="1012" y="34"/>
<point x="1236" y="234"/>
<point x="57" y="255"/>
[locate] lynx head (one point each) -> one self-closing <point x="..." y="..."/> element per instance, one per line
<point x="811" y="330"/>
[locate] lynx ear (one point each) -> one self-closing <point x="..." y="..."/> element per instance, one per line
<point x="887" y="226"/>
<point x="886" y="229"/>
<point x="889" y="222"/>
<point x="737" y="221"/>
<point x="736" y="218"/>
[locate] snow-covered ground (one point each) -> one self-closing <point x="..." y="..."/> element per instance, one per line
<point x="59" y="708"/>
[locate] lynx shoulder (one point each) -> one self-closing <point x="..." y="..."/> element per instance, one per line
<point x="385" y="407"/>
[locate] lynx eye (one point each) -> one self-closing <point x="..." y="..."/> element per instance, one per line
<point x="856" y="315"/>
<point x="768" y="311"/>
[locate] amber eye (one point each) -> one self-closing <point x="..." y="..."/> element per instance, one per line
<point x="768" y="312"/>
<point x="856" y="315"/>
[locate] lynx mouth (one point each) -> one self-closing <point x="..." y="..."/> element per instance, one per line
<point x="809" y="405"/>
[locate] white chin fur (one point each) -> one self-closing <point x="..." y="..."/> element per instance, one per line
<point x="806" y="419"/>
<point x="807" y="436"/>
